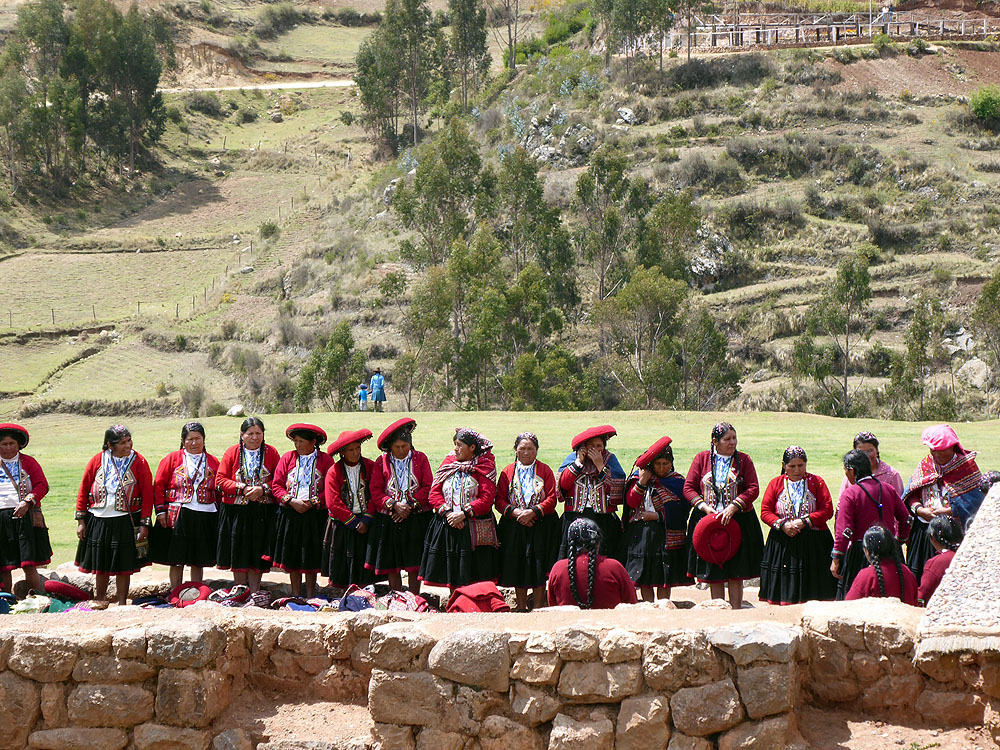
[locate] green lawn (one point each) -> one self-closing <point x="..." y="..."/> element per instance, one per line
<point x="64" y="443"/>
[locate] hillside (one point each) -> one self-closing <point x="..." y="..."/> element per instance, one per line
<point x="208" y="279"/>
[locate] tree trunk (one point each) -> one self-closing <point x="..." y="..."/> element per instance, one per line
<point x="847" y="363"/>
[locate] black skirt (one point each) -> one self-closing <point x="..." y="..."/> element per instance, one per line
<point x="919" y="548"/>
<point x="647" y="560"/>
<point x="22" y="544"/>
<point x="395" y="547"/>
<point x="246" y="536"/>
<point x="797" y="568"/>
<point x="744" y="565"/>
<point x="192" y="540"/>
<point x="612" y="542"/>
<point x="527" y="553"/>
<point x="298" y="543"/>
<point x="344" y="554"/>
<point x="853" y="562"/>
<point x="449" y="559"/>
<point x="109" y="546"/>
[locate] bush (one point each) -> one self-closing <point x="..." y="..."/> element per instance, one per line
<point x="751" y="220"/>
<point x="205" y="102"/>
<point x="735" y="70"/>
<point x="887" y="236"/>
<point x="245" y="115"/>
<point x="275" y="19"/>
<point x="917" y="47"/>
<point x="347" y="118"/>
<point x="722" y="176"/>
<point x="878" y="360"/>
<point x="174" y="114"/>
<point x="192" y="397"/>
<point x="882" y="44"/>
<point x="269" y="229"/>
<point x="985" y="105"/>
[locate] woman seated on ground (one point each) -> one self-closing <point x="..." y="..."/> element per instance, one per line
<point x="529" y="530"/>
<point x="588" y="579"/>
<point x="867" y="443"/>
<point x="886" y="575"/>
<point x="945" y="483"/>
<point x="946" y="535"/>
<point x="867" y="502"/>
<point x="796" y="505"/>
<point x="655" y="546"/>
<point x="113" y="511"/>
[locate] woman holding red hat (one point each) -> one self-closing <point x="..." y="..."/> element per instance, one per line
<point x="592" y="483"/>
<point x="114" y="508"/>
<point x="461" y="541"/>
<point x="796" y="505"/>
<point x="187" y="511"/>
<point x="299" y="485"/>
<point x="722" y="482"/>
<point x="655" y="547"/>
<point x="24" y="538"/>
<point x="348" y="501"/>
<point x="529" y="527"/>
<point x="400" y="488"/>
<point x="248" y="514"/>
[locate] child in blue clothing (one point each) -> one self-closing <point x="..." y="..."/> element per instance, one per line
<point x="363" y="398"/>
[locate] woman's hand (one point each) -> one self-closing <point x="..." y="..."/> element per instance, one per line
<point x="941" y="512"/>
<point x="525" y="517"/>
<point x="361" y="528"/>
<point x="645" y="477"/>
<point x="81" y="529"/>
<point x="300" y="506"/>
<point x="141" y="535"/>
<point x="924" y="513"/>
<point x="161" y="519"/>
<point x="456" y="519"/>
<point x="792" y="528"/>
<point x="835" y="567"/>
<point x="21" y="509"/>
<point x="581" y="456"/>
<point x="597" y="456"/>
<point x="253" y="494"/>
<point x="727" y="515"/>
<point x="402" y="510"/>
<point x="650" y="515"/>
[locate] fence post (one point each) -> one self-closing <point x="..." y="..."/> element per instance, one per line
<point x="138" y="307"/>
<point x="53" y="310"/>
<point x="93" y="309"/>
<point x="10" y="318"/>
<point x="177" y="312"/>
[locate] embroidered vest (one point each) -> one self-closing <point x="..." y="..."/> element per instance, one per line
<point x="292" y="482"/>
<point x="181" y="488"/>
<point x="262" y="479"/>
<point x="123" y="493"/>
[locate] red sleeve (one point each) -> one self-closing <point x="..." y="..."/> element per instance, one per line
<point x="334" y="502"/>
<point x="164" y="476"/>
<point x="324" y="463"/>
<point x="271" y="459"/>
<point x="485" y="495"/>
<point x="39" y="484"/>
<point x="213" y="464"/>
<point x="633" y="497"/>
<point x="862" y="586"/>
<point x="567" y="478"/>
<point x="280" y="476"/>
<point x="558" y="587"/>
<point x="824" y="502"/>
<point x="692" y="482"/>
<point x="548" y="506"/>
<point x="903" y="517"/>
<point x="503" y="489"/>
<point x="226" y="480"/>
<point x="425" y="477"/>
<point x="845" y="520"/>
<point x="144" y="478"/>
<point x="87" y="483"/>
<point x="748" y="473"/>
<point x="436" y="496"/>
<point x="626" y="585"/>
<point x="376" y="485"/>
<point x="769" y="503"/>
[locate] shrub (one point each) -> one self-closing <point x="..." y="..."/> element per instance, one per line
<point x="347" y="117"/>
<point x="750" y="219"/>
<point x="736" y="70"/>
<point x="277" y="18"/>
<point x="917" y="47"/>
<point x="205" y="102"/>
<point x="181" y="342"/>
<point x="269" y="229"/>
<point x="985" y="105"/>
<point x="192" y="397"/>
<point x="877" y="361"/>
<point x="722" y="176"/>
<point x="174" y="114"/>
<point x="886" y="235"/>
<point x="245" y="115"/>
<point x="882" y="44"/>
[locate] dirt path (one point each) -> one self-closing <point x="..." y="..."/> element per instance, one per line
<point x="283" y="85"/>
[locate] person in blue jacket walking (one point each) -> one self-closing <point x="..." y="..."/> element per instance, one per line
<point x="377" y="389"/>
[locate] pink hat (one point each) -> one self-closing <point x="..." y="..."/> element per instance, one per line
<point x="941" y="437"/>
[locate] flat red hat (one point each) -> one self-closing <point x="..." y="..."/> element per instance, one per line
<point x="63" y="590"/>
<point x="605" y="431"/>
<point x="388" y="431"/>
<point x="16" y="428"/>
<point x="655" y="450"/>
<point x="188" y="593"/>
<point x="714" y="542"/>
<point x="305" y="426"/>
<point x="346" y="438"/>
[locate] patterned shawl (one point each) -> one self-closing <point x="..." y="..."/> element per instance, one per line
<point x="959" y="478"/>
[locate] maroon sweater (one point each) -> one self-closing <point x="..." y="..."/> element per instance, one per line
<point x="856" y="513"/>
<point x="933" y="573"/>
<point x="747" y="485"/>
<point x="612" y="586"/>
<point x="866" y="584"/>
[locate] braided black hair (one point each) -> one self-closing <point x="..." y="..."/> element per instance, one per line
<point x="247" y="424"/>
<point x="582" y="536"/>
<point x="718" y="432"/>
<point x="881" y="545"/>
<point x="859" y="461"/>
<point x="114" y="434"/>
<point x="946" y="531"/>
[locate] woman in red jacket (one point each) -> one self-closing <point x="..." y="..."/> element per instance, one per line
<point x="348" y="501"/>
<point x="113" y="509"/>
<point x="401" y="485"/>
<point x="248" y="514"/>
<point x="796" y="505"/>
<point x="886" y="574"/>
<point x="946" y="535"/>
<point x="24" y="538"/>
<point x="299" y="485"/>
<point x="607" y="581"/>
<point x="723" y="481"/>
<point x="460" y="546"/>
<point x="529" y="530"/>
<point x="187" y="510"/>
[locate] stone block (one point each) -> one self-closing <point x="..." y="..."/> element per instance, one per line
<point x="91" y="705"/>
<point x="412" y="698"/>
<point x="361" y="660"/>
<point x="94" y="641"/>
<point x="498" y="733"/>
<point x="472" y="657"/>
<point x="948" y="709"/>
<point x="6" y="644"/>
<point x="534" y="705"/>
<point x="312" y="663"/>
<point x="434" y="739"/>
<point x="184" y="643"/>
<point x="643" y="723"/>
<point x="620" y="645"/>
<point x="989" y="677"/>
<point x="866" y="667"/>
<point x="361" y="623"/>
<point x="340" y="640"/>
<point x="19" y="708"/>
<point x="892" y="692"/>
<point x="232" y="739"/>
<point x="189" y="698"/>
<point x="392" y="737"/>
<point x="575" y="644"/>
<point x="538" y="669"/>
<point x="596" y="682"/>
<point x="539" y="643"/>
<point x="705" y="710"/>
<point x="887" y="638"/>
<point x="516" y="644"/>
<point x="675" y="659"/>
<point x="263" y="640"/>
<point x="340" y="683"/>
<point x="53" y="705"/>
<point x="475" y="705"/>
<point x="757" y="641"/>
<point x="831" y="676"/>
<point x="75" y="738"/>
<point x="110" y="670"/>
<point x="765" y="689"/>
<point x="302" y="639"/>
<point x="757" y="735"/>
<point x="572" y="734"/>
<point x="129" y="643"/>
<point x="849" y="631"/>
<point x="683" y="742"/>
<point x="399" y="647"/>
<point x="160" y="737"/>
<point x="43" y="658"/>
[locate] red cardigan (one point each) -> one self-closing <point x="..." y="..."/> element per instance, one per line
<point x="229" y="482"/>
<point x="337" y="490"/>
<point x="172" y="485"/>
<point x="544" y="502"/>
<point x="36" y="484"/>
<point x="822" y="512"/>
<point x="138" y="483"/>
<point x="282" y="472"/>
<point x="866" y="584"/>
<point x="612" y="586"/>
<point x="934" y="571"/>
<point x="485" y="494"/>
<point x="420" y="469"/>
<point x="746" y="479"/>
<point x="856" y="513"/>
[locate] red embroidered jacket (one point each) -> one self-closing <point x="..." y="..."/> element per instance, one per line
<point x="816" y="510"/>
<point x="231" y="477"/>
<point x="284" y="475"/>
<point x="699" y="479"/>
<point x="33" y="485"/>
<point x="172" y="484"/>
<point x="338" y="494"/>
<point x="544" y="501"/>
<point x="477" y="502"/>
<point x="137" y="483"/>
<point x="383" y="483"/>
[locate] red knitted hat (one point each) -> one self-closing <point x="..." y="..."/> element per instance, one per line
<point x="604" y="431"/>
<point x="647" y="458"/>
<point x="346" y="438"/>
<point x="321" y="435"/>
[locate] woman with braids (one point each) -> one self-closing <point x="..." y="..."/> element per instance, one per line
<point x="655" y="546"/>
<point x="946" y="535"/>
<point x="886" y="575"/>
<point x="460" y="546"/>
<point x="248" y="514"/>
<point x="400" y="486"/>
<point x="349" y="503"/>
<point x="723" y="481"/>
<point x="113" y="510"/>
<point x="867" y="442"/>
<point x="796" y="505"/>
<point x="592" y="484"/>
<point x="24" y="538"/>
<point x="529" y="530"/>
<point x="945" y="483"/>
<point x="586" y="578"/>
<point x="187" y="512"/>
<point x="299" y="485"/>
<point x="867" y="502"/>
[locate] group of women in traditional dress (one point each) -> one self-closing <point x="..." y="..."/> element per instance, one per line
<point x="357" y="521"/>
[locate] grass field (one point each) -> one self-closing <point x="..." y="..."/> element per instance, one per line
<point x="64" y="443"/>
<point x="24" y="367"/>
<point x="333" y="45"/>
